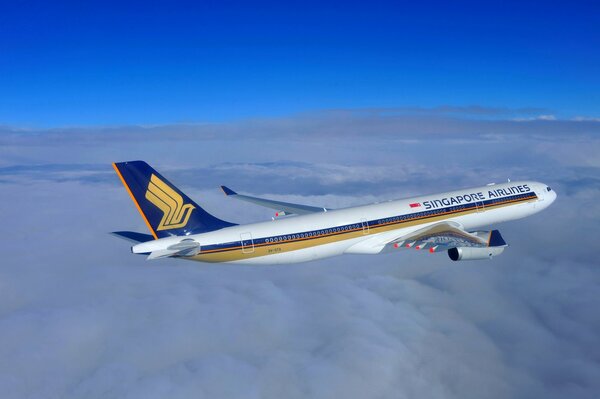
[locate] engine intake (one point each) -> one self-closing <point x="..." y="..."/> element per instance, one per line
<point x="474" y="253"/>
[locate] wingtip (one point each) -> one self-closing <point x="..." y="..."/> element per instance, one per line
<point x="496" y="239"/>
<point x="228" y="191"/>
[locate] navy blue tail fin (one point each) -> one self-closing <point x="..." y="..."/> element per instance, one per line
<point x="166" y="210"/>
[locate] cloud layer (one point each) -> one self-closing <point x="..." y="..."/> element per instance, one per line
<point x="82" y="317"/>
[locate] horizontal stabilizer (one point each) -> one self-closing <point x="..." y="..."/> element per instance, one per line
<point x="133" y="236"/>
<point x="183" y="248"/>
<point x="162" y="253"/>
<point x="287" y="208"/>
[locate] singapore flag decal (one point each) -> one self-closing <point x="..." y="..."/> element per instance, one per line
<point x="415" y="205"/>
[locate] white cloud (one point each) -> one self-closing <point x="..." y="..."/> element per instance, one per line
<point x="586" y="119"/>
<point x="82" y="317"/>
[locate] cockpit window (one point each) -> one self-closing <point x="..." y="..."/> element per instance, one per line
<point x="548" y="189"/>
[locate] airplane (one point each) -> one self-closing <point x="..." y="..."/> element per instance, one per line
<point x="180" y="228"/>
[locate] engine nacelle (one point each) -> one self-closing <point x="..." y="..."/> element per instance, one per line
<point x="474" y="253"/>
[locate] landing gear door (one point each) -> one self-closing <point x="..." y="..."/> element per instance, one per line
<point x="247" y="243"/>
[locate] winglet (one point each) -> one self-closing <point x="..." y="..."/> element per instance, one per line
<point x="228" y="191"/>
<point x="496" y="239"/>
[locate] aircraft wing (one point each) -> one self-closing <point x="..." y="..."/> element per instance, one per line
<point x="282" y="208"/>
<point x="446" y="235"/>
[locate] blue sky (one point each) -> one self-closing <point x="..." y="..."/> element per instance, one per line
<point x="97" y="63"/>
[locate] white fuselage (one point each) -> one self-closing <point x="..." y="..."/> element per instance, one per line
<point x="359" y="229"/>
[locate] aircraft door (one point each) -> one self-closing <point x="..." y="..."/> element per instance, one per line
<point x="479" y="206"/>
<point x="247" y="243"/>
<point x="365" y="226"/>
<point x="540" y="197"/>
<point x="540" y="194"/>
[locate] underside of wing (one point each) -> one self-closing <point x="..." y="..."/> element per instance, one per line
<point x="438" y="237"/>
<point x="282" y="208"/>
<point x="444" y="236"/>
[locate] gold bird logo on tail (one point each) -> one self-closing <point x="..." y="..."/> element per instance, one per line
<point x="175" y="213"/>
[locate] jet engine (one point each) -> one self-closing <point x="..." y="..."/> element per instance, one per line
<point x="474" y="253"/>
